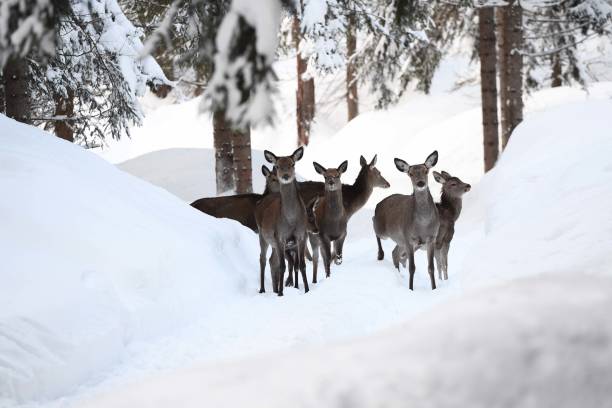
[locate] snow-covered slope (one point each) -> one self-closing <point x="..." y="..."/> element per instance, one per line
<point x="527" y="323"/>
<point x="525" y="344"/>
<point x="93" y="262"/>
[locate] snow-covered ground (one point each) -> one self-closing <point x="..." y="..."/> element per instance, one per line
<point x="112" y="288"/>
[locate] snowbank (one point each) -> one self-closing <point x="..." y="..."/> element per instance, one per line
<point x="546" y="206"/>
<point x="541" y="340"/>
<point x="93" y="262"/>
<point x="526" y="344"/>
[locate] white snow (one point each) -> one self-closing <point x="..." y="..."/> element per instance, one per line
<point x="117" y="293"/>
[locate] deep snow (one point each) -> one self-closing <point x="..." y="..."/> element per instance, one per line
<point x="109" y="280"/>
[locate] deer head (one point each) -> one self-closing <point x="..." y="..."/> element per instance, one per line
<point x="285" y="166"/>
<point x="418" y="173"/>
<point x="452" y="186"/>
<point x="331" y="175"/>
<point x="271" y="179"/>
<point x="375" y="179"/>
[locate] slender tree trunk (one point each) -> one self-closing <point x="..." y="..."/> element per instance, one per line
<point x="502" y="41"/>
<point x="511" y="68"/>
<point x="515" y="66"/>
<point x="352" y="98"/>
<point x="64" y="107"/>
<point x="17" y="96"/>
<point x="1" y="93"/>
<point x="241" y="148"/>
<point x="488" y="85"/>
<point x="224" y="160"/>
<point x="557" y="74"/>
<point x="305" y="94"/>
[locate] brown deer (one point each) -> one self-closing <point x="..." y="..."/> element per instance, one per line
<point x="354" y="195"/>
<point x="330" y="218"/>
<point x="240" y="207"/>
<point x="449" y="209"/>
<point x="282" y="222"/>
<point x="410" y="220"/>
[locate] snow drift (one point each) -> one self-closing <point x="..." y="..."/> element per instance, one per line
<point x="94" y="261"/>
<point x="540" y="340"/>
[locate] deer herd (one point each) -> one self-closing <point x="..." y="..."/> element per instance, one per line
<point x="290" y="213"/>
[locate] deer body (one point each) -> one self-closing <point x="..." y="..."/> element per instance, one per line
<point x="449" y="209"/>
<point x="331" y="219"/>
<point x="281" y="220"/>
<point x="411" y="221"/>
<point x="240" y="207"/>
<point x="354" y="196"/>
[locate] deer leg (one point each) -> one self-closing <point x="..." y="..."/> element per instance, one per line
<point x="411" y="267"/>
<point x="290" y="261"/>
<point x="439" y="261"/>
<point x="326" y="249"/>
<point x="395" y="255"/>
<point x="263" y="245"/>
<point x="274" y="270"/>
<point x="282" y="268"/>
<point x="307" y="253"/>
<point x="302" y="262"/>
<point x="445" y="249"/>
<point x="381" y="253"/>
<point x="314" y="243"/>
<point x="430" y="264"/>
<point x="338" y="246"/>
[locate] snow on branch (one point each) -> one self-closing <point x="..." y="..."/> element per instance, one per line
<point x="26" y="25"/>
<point x="243" y="77"/>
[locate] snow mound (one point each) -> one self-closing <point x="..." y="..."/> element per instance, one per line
<point x="526" y="344"/>
<point x="546" y="206"/>
<point x="94" y="261"/>
<point x="531" y="275"/>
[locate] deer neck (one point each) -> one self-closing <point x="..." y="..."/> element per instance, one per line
<point x="423" y="200"/>
<point x="290" y="200"/>
<point x="452" y="204"/>
<point x="333" y="203"/>
<point x="362" y="190"/>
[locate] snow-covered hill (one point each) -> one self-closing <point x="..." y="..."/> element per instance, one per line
<point x="95" y="261"/>
<point x="523" y="320"/>
<point x="108" y="280"/>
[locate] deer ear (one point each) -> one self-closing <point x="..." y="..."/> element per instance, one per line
<point x="446" y="175"/>
<point x="320" y="169"/>
<point x="432" y="159"/>
<point x="362" y="161"/>
<point x="343" y="166"/>
<point x="265" y="171"/>
<point x="270" y="157"/>
<point x="297" y="155"/>
<point x="439" y="177"/>
<point x="373" y="162"/>
<point x="401" y="165"/>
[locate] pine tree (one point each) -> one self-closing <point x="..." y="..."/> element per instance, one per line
<point x="352" y="97"/>
<point x="305" y="93"/>
<point x="488" y="85"/>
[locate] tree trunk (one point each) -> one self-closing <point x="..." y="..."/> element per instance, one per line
<point x="557" y="74"/>
<point x="241" y="148"/>
<point x="1" y="93"/>
<point x="515" y="67"/>
<point x="305" y="94"/>
<point x="488" y="85"/>
<point x="224" y="160"/>
<point x="352" y="98"/>
<point x="511" y="68"/>
<point x="17" y="97"/>
<point x="64" y="107"/>
<point x="502" y="41"/>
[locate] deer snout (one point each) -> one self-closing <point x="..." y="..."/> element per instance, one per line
<point x="420" y="184"/>
<point x="468" y="188"/>
<point x="285" y="177"/>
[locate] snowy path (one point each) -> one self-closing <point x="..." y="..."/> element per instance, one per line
<point x="362" y="297"/>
